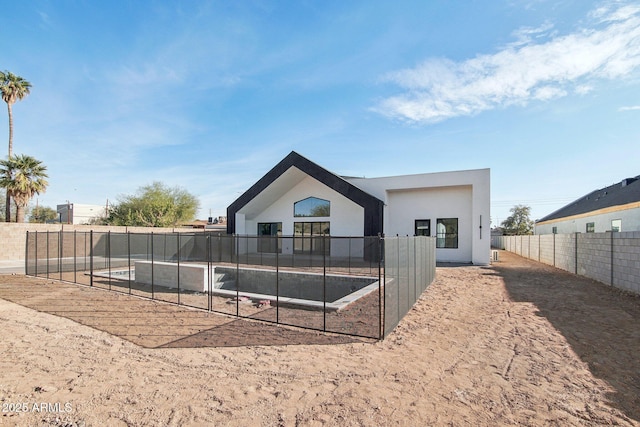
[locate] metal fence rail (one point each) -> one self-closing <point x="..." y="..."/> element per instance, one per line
<point x="325" y="283"/>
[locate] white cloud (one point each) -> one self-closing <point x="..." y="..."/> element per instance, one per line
<point x="526" y="70"/>
<point x="630" y="108"/>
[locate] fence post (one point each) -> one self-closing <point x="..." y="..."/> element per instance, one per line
<point x="277" y="284"/>
<point x="36" y="254"/>
<point x="48" y="257"/>
<point x="152" y="258"/>
<point x="380" y="284"/>
<point x="415" y="266"/>
<point x="109" y="255"/>
<point x="324" y="283"/>
<point x="91" y="257"/>
<point x="129" y="258"/>
<point x="60" y="253"/>
<point x="26" y="255"/>
<point x="75" y="256"/>
<point x="237" y="275"/>
<point x="178" y="259"/>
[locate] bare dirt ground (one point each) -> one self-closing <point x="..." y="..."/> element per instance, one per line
<point x="516" y="343"/>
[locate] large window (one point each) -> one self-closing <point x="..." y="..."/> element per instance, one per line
<point x="447" y="233"/>
<point x="423" y="227"/>
<point x="312" y="207"/>
<point x="308" y="237"/>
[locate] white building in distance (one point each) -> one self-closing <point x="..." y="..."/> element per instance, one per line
<point x="76" y="213"/>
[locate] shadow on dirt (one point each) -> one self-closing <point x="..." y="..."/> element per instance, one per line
<point x="601" y="323"/>
<point x="153" y="324"/>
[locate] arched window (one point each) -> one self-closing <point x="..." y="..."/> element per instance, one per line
<point x="312" y="207"/>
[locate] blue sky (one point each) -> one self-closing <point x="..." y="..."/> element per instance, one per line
<point x="210" y="95"/>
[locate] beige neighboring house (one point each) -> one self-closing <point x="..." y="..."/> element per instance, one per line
<point x="76" y="213"/>
<point x="615" y="208"/>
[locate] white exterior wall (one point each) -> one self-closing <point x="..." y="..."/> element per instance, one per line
<point x="630" y="222"/>
<point x="405" y="207"/>
<point x="461" y="194"/>
<point x="347" y="218"/>
<point x="80" y="213"/>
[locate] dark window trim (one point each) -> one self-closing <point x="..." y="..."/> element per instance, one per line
<point x="450" y="240"/>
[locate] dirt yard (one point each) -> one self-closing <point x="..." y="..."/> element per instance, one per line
<point x="516" y="343"/>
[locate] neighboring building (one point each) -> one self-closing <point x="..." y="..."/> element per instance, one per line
<point x="301" y="199"/>
<point x="614" y="208"/>
<point x="76" y="213"/>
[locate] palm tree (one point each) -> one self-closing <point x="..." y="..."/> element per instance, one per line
<point x="13" y="88"/>
<point x="23" y="176"/>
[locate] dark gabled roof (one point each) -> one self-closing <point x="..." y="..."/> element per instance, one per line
<point x="373" y="207"/>
<point x="625" y="192"/>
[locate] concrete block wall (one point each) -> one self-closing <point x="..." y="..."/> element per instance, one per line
<point x="610" y="258"/>
<point x="594" y="256"/>
<point x="13" y="236"/>
<point x="626" y="261"/>
<point x="565" y="254"/>
<point x="534" y="248"/>
<point x="547" y="249"/>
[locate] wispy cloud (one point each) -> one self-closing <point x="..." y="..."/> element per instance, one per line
<point x="541" y="65"/>
<point x="630" y="108"/>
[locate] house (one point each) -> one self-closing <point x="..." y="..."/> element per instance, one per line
<point x="299" y="198"/>
<point x="613" y="208"/>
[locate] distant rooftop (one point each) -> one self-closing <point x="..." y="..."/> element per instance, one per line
<point x="622" y="193"/>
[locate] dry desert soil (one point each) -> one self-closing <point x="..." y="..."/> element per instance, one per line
<point x="514" y="343"/>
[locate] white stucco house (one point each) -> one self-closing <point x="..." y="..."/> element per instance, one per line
<point x="77" y="213"/>
<point x="614" y="208"/>
<point x="302" y="199"/>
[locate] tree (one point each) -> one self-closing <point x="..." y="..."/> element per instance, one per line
<point x="22" y="177"/>
<point x="155" y="205"/>
<point x="13" y="88"/>
<point x="519" y="222"/>
<point x="43" y="214"/>
<point x="2" y="206"/>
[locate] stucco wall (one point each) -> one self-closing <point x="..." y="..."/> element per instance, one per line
<point x="404" y="207"/>
<point x="457" y="194"/>
<point x="346" y="217"/>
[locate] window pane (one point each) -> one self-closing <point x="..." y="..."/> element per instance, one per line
<point x="447" y="233"/>
<point x="616" y="225"/>
<point x="423" y="227"/>
<point x="312" y="206"/>
<point x="325" y="228"/>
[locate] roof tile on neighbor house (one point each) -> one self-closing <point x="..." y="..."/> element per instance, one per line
<point x="622" y="193"/>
